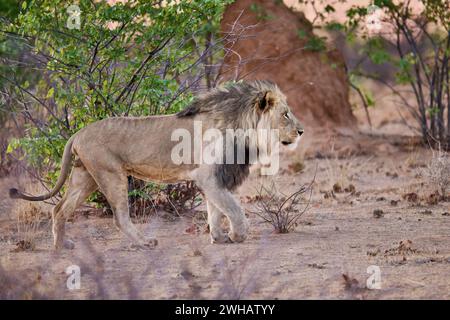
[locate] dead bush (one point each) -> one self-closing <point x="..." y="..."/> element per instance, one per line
<point x="280" y="210"/>
<point x="149" y="198"/>
<point x="179" y="198"/>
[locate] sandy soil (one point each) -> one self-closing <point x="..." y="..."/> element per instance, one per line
<point x="339" y="236"/>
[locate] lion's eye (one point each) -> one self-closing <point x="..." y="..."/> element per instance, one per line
<point x="286" y="115"/>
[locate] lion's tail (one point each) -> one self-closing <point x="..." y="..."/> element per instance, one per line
<point x="65" y="168"/>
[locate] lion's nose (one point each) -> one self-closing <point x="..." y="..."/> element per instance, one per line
<point x="300" y="132"/>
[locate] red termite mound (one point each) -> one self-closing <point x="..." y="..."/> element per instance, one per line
<point x="274" y="42"/>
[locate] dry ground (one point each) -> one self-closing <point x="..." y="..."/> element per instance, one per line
<point x="339" y="235"/>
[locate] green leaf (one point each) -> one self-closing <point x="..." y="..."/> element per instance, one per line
<point x="315" y="43"/>
<point x="9" y="149"/>
<point x="301" y="33"/>
<point x="334" y="26"/>
<point x="369" y="98"/>
<point x="329" y="9"/>
<point x="50" y="93"/>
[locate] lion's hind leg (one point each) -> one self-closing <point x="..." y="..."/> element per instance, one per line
<point x="114" y="185"/>
<point x="214" y="221"/>
<point x="81" y="185"/>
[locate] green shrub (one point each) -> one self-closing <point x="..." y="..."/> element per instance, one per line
<point x="128" y="59"/>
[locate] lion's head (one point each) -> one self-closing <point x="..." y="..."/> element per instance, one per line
<point x="248" y="105"/>
<point x="276" y="114"/>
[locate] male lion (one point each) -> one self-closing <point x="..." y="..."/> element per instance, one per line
<point x="108" y="151"/>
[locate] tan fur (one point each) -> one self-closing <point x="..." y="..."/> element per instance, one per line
<point x="108" y="151"/>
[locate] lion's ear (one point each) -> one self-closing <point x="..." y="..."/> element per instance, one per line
<point x="267" y="101"/>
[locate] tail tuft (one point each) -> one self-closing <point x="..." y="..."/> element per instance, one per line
<point x="14" y="193"/>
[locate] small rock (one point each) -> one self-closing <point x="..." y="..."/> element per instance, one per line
<point x="392" y="175"/>
<point x="328" y="194"/>
<point x="373" y="253"/>
<point x="411" y="197"/>
<point x="317" y="266"/>
<point x="187" y="275"/>
<point x="337" y="188"/>
<point x="378" y="213"/>
<point x="394" y="202"/>
<point x="350" y="189"/>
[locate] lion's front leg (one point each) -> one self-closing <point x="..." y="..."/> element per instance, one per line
<point x="224" y="201"/>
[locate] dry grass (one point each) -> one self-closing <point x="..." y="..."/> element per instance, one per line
<point x="339" y="173"/>
<point x="31" y="218"/>
<point x="437" y="172"/>
<point x="32" y="223"/>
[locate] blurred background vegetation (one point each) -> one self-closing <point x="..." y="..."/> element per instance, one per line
<point x="126" y="59"/>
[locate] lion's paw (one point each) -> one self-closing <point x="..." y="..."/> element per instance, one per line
<point x="222" y="238"/>
<point x="235" y="237"/>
